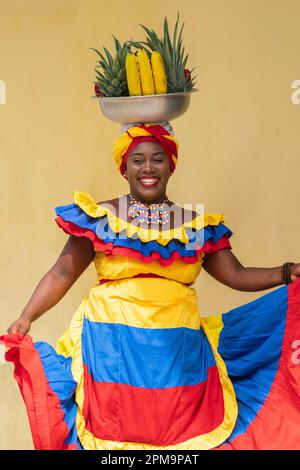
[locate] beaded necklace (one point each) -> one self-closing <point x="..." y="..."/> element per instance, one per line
<point x="149" y="213"/>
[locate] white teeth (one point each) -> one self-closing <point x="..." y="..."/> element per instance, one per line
<point x="149" y="181"/>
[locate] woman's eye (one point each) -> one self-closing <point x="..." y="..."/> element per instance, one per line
<point x="156" y="160"/>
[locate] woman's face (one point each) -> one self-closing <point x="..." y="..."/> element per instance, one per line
<point x="148" y="172"/>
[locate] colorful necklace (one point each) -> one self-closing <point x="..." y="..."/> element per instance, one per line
<point x="149" y="213"/>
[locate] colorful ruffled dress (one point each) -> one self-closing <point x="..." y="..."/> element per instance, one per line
<point x="139" y="368"/>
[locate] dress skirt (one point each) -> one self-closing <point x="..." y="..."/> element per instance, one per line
<point x="227" y="382"/>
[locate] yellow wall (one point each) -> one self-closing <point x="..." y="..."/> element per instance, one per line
<point x="239" y="142"/>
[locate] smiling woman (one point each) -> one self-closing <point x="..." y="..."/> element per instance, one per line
<point x="139" y="368"/>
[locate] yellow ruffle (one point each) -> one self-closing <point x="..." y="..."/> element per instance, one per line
<point x="91" y="208"/>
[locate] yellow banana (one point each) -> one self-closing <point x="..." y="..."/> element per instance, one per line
<point x="159" y="74"/>
<point x="132" y="75"/>
<point x="145" y="73"/>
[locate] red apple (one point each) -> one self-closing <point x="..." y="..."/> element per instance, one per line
<point x="188" y="74"/>
<point x="97" y="90"/>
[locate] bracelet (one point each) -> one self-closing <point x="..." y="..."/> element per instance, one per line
<point x="286" y="273"/>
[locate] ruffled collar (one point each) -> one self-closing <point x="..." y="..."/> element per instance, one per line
<point x="116" y="224"/>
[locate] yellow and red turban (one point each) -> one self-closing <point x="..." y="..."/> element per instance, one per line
<point x="145" y="133"/>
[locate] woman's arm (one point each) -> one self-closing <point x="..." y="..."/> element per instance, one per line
<point x="71" y="263"/>
<point x="226" y="268"/>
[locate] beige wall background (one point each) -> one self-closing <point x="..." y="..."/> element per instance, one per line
<point x="239" y="142"/>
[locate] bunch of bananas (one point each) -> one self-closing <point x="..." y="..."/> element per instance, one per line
<point x="145" y="76"/>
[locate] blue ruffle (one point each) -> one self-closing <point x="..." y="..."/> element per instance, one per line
<point x="60" y="379"/>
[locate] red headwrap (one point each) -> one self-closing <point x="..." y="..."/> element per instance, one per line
<point x="151" y="133"/>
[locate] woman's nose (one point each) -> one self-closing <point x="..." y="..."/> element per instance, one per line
<point x="148" y="166"/>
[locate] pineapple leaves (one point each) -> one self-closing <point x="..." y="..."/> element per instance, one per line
<point x="110" y="71"/>
<point x="167" y="40"/>
<point x="172" y="53"/>
<point x="98" y="52"/>
<point x="110" y="59"/>
<point x="111" y="68"/>
<point x="117" y="44"/>
<point x="175" y="31"/>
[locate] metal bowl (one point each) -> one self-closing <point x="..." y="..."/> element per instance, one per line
<point x="145" y="109"/>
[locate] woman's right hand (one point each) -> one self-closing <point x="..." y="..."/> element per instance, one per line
<point x="21" y="326"/>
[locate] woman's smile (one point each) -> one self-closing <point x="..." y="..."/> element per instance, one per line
<point x="148" y="182"/>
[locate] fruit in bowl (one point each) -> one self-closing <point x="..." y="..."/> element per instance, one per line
<point x="157" y="66"/>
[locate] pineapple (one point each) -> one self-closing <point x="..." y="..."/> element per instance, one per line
<point x="111" y="72"/>
<point x="179" y="78"/>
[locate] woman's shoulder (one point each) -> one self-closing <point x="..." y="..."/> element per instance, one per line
<point x="187" y="214"/>
<point x="116" y="206"/>
<point x="111" y="202"/>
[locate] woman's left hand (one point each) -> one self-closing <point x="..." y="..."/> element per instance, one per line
<point x="295" y="271"/>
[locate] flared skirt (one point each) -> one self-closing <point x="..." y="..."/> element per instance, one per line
<point x="233" y="383"/>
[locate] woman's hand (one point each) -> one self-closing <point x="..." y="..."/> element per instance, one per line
<point x="295" y="271"/>
<point x="21" y="326"/>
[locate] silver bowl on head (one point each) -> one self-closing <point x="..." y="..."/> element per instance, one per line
<point x="147" y="108"/>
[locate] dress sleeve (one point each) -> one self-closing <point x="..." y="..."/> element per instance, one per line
<point x="216" y="237"/>
<point x="221" y="244"/>
<point x="81" y="218"/>
<point x="86" y="218"/>
<point x="74" y="221"/>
